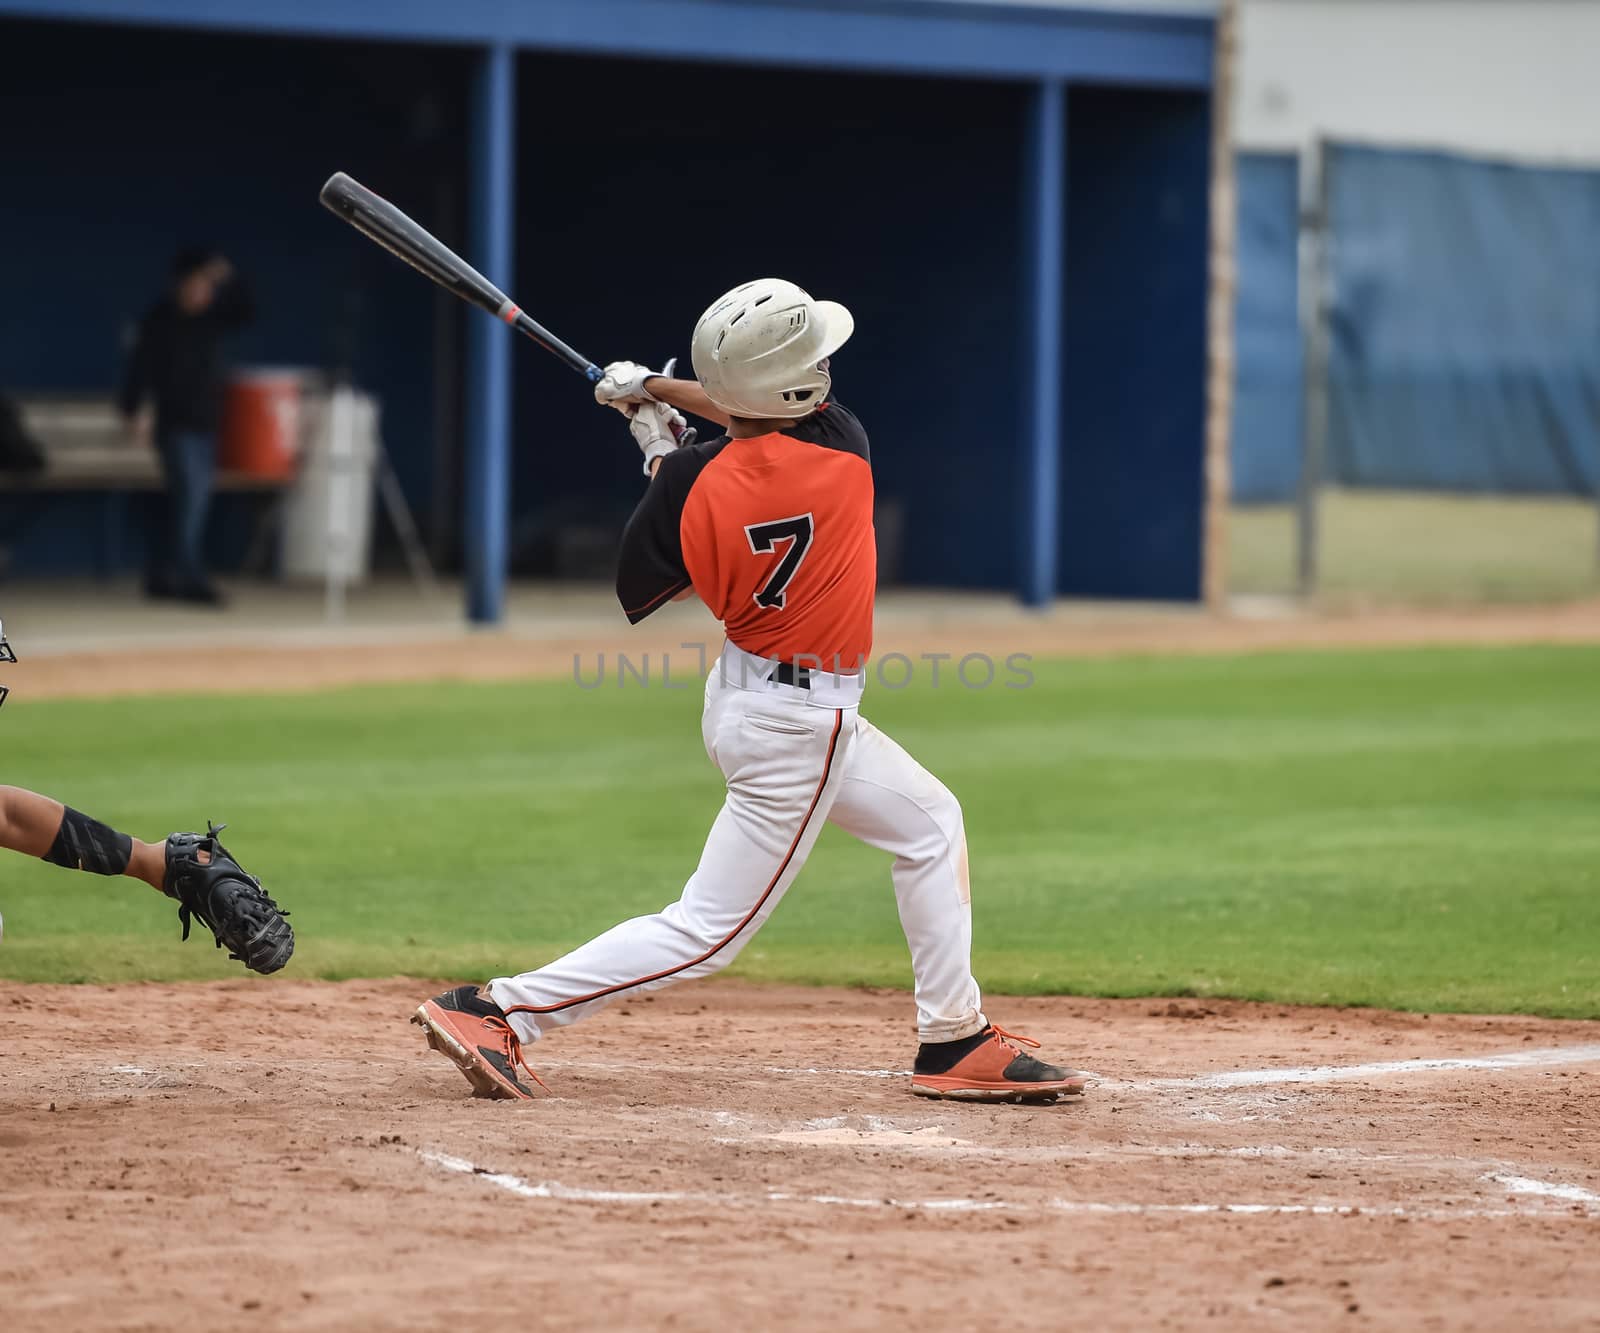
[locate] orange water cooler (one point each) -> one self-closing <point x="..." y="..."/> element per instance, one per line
<point x="261" y="423"/>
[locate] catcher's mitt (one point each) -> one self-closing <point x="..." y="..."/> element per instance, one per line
<point x="229" y="900"/>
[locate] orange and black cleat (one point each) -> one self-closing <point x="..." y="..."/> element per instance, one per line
<point x="473" y="1032"/>
<point x="991" y="1067"/>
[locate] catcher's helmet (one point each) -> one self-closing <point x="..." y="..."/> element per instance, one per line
<point x="6" y="655"/>
<point x="758" y="350"/>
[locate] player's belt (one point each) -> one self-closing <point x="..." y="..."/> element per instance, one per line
<point x="824" y="688"/>
<point x="790" y="674"/>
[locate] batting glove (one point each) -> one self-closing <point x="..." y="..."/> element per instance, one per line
<point x="655" y="428"/>
<point x="622" y="386"/>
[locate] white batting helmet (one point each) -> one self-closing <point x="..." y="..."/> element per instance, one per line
<point x="757" y="350"/>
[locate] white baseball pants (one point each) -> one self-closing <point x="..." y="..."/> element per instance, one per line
<point x="793" y="759"/>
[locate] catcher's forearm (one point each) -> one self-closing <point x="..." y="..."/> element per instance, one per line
<point x="686" y="396"/>
<point x="198" y="871"/>
<point x="28" y="822"/>
<point x="149" y="863"/>
<point x="36" y="825"/>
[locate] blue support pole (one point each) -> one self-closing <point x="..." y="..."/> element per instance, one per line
<point x="1045" y="178"/>
<point x="488" y="379"/>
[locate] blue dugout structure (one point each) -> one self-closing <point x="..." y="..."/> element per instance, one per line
<point x="1013" y="198"/>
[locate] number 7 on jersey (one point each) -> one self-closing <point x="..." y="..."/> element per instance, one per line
<point x="764" y="539"/>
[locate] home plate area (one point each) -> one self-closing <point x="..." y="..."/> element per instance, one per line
<point x="287" y="1155"/>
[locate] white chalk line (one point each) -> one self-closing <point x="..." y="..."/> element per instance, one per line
<point x="550" y="1190"/>
<point x="1548" y="1057"/>
<point x="1545" y="1189"/>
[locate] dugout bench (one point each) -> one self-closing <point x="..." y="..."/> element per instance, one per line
<point x="88" y="453"/>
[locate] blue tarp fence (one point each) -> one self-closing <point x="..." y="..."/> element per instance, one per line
<point x="1464" y="328"/>
<point x="1268" y="374"/>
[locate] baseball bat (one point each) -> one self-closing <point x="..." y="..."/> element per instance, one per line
<point x="380" y="220"/>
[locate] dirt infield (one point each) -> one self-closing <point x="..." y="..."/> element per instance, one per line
<point x="281" y="661"/>
<point x="286" y="1155"/>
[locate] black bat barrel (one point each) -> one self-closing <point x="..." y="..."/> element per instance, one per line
<point x="376" y="217"/>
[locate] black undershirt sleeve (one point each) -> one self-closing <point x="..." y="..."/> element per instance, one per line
<point x="650" y="568"/>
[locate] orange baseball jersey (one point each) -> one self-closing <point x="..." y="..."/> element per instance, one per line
<point x="774" y="533"/>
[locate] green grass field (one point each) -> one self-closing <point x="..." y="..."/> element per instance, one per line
<point x="1416" y="829"/>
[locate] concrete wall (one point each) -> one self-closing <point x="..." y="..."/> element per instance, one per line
<point x="1516" y="78"/>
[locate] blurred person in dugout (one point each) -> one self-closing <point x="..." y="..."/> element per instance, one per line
<point x="172" y="395"/>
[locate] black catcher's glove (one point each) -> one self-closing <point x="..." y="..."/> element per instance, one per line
<point x="227" y="899"/>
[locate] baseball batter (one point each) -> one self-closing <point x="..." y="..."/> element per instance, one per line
<point x="193" y="868"/>
<point x="771" y="526"/>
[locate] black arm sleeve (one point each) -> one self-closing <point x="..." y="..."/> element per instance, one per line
<point x="650" y="570"/>
<point x="650" y="567"/>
